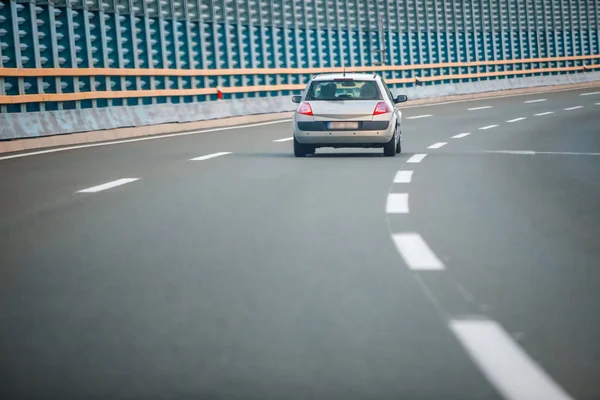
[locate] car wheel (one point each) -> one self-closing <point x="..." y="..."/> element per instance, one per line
<point x="399" y="144"/>
<point x="389" y="149"/>
<point x="301" y="150"/>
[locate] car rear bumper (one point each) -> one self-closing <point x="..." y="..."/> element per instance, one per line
<point x="321" y="126"/>
<point x="368" y="133"/>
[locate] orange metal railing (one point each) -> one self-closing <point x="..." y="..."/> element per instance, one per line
<point x="129" y="72"/>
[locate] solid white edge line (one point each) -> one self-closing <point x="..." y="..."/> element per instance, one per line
<point x="551" y="153"/>
<point x="460" y="135"/>
<point x="169" y="135"/>
<point x="420" y="116"/>
<point x="516" y="120"/>
<point x="573" y="108"/>
<point x="209" y="156"/>
<point x="485" y="128"/>
<point x="598" y="104"/>
<point x="437" y="145"/>
<point x="567" y="153"/>
<point x="403" y="177"/>
<point x="535" y="101"/>
<point x="478" y="108"/>
<point x="544" y="113"/>
<point x="417" y="158"/>
<point x="397" y="203"/>
<point x="287" y="139"/>
<point x="416" y="253"/>
<point x="108" y="185"/>
<point x="508" y="368"/>
<point x="589" y="94"/>
<point x="523" y="152"/>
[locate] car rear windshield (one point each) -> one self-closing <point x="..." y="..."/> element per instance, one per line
<point x="343" y="90"/>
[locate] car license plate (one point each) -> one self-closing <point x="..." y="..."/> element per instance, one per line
<point x="343" y="125"/>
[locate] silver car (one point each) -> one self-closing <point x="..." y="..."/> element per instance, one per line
<point x="347" y="110"/>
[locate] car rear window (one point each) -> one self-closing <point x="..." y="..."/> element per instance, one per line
<point x="343" y="90"/>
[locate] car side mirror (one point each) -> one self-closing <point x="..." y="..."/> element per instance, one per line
<point x="296" y="99"/>
<point x="401" y="98"/>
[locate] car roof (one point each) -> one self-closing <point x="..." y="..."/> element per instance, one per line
<point x="361" y="77"/>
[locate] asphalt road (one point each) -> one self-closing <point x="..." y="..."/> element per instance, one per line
<point x="257" y="275"/>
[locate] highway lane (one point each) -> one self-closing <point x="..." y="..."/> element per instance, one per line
<point x="258" y="275"/>
<point x="243" y="295"/>
<point x="247" y="287"/>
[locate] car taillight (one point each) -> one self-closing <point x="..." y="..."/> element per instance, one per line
<point x="305" y="109"/>
<point x="382" y="108"/>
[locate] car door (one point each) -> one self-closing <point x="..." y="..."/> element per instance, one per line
<point x="390" y="96"/>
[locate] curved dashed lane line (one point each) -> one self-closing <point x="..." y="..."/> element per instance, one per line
<point x="403" y="176"/>
<point x="417" y="158"/>
<point x="397" y="203"/>
<point x="507" y="367"/>
<point x="417" y="255"/>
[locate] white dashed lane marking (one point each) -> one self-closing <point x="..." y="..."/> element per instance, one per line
<point x="544" y="113"/>
<point x="508" y="368"/>
<point x="516" y="120"/>
<point x="287" y="139"/>
<point x="589" y="94"/>
<point x="403" y="177"/>
<point x="460" y="135"/>
<point x="108" y="185"/>
<point x="397" y="203"/>
<point x="534" y="101"/>
<point x="420" y="116"/>
<point x="479" y="108"/>
<point x="416" y="253"/>
<point x="209" y="156"/>
<point x="573" y="108"/>
<point x="417" y="158"/>
<point x="485" y="128"/>
<point x="437" y="145"/>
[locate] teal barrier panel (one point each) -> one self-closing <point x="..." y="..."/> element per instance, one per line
<point x="218" y="34"/>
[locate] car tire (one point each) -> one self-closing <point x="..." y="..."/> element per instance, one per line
<point x="389" y="149"/>
<point x="399" y="144"/>
<point x="301" y="150"/>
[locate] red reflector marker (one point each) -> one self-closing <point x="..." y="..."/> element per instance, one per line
<point x="382" y="108"/>
<point x="305" y="109"/>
